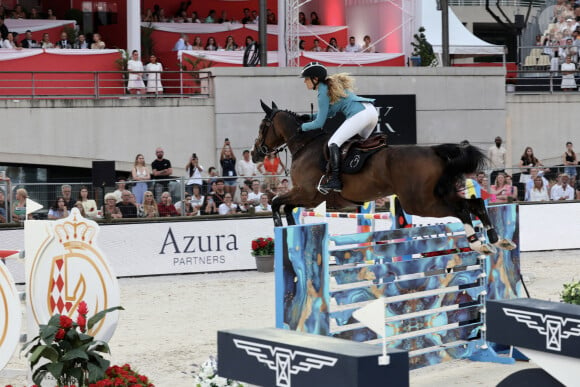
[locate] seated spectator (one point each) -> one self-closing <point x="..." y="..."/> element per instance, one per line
<point x="89" y="205"/>
<point x="316" y="47"/>
<point x="366" y="47"/>
<point x="79" y="206"/>
<point x="527" y="160"/>
<point x="81" y="43"/>
<point x="224" y="17"/>
<point x="209" y="206"/>
<point x="19" y="207"/>
<point x="149" y="206"/>
<point x="500" y="190"/>
<point x="18" y="12"/>
<point x="197" y="44"/>
<point x="185" y="207"/>
<point x="332" y="46"/>
<point x="148" y="17"/>
<point x="50" y="15"/>
<point x="211" y="45"/>
<point x="271" y="17"/>
<point x="535" y="172"/>
<point x="302" y="18"/>
<point x="231" y="44"/>
<point x="211" y="16"/>
<point x="9" y="42"/>
<point x="228" y="207"/>
<point x="121" y="186"/>
<point x="283" y="187"/>
<point x="196" y="197"/>
<point x="352" y="45"/>
<point x="110" y="209"/>
<point x="264" y="206"/>
<point x="247" y="18"/>
<point x="28" y="42"/>
<point x="539" y="190"/>
<point x="64" y="42"/>
<point x="3" y="214"/>
<point x="314" y="20"/>
<point x="34" y="13"/>
<point x="133" y="200"/>
<point x="255" y="17"/>
<point x="181" y="43"/>
<point x="45" y="42"/>
<point x="98" y="44"/>
<point x="161" y="16"/>
<point x="219" y="192"/>
<point x="58" y="210"/>
<point x="128" y="209"/>
<point x="570" y="161"/>
<point x="66" y="191"/>
<point x="302" y="45"/>
<point x="563" y="190"/>
<point x="249" y="41"/>
<point x="195" y="18"/>
<point x="254" y="195"/>
<point x="244" y="205"/>
<point x="165" y="207"/>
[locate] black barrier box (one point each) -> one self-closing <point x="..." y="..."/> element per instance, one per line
<point x="546" y="326"/>
<point x="283" y="358"/>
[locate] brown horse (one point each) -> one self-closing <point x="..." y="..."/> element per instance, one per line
<point x="425" y="178"/>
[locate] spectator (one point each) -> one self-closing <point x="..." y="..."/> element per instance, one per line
<point x="509" y="181"/>
<point x="271" y="17"/>
<point x="496" y="155"/>
<point x="213" y="176"/>
<point x="332" y="45"/>
<point x="197" y="198"/>
<point x="28" y="42"/>
<point x="64" y="42"/>
<point x="210" y="207"/>
<point x="302" y="18"/>
<point x="128" y="209"/>
<point x="283" y="187"/>
<point x="98" y="44"/>
<point x="563" y="190"/>
<point x="197" y="44"/>
<point x="247" y="19"/>
<point x="148" y="17"/>
<point x="352" y="46"/>
<point x="58" y="209"/>
<point x="526" y="161"/>
<point x="211" y="45"/>
<point x="500" y="190"/>
<point x="195" y="18"/>
<point x="301" y="46"/>
<point x="81" y="43"/>
<point x="149" y="206"/>
<point x="18" y="12"/>
<point x="244" y="205"/>
<point x="45" y="42"/>
<point x="161" y="170"/>
<point x="219" y="192"/>
<point x="3" y="30"/>
<point x="271" y="167"/>
<point x="367" y="47"/>
<point x="570" y="161"/>
<point x="228" y="207"/>
<point x="121" y="186"/>
<point x="228" y="164"/>
<point x="89" y="205"/>
<point x="539" y="190"/>
<point x="316" y="47"/>
<point x="9" y="42"/>
<point x="231" y="44"/>
<point x="535" y="172"/>
<point x="66" y="191"/>
<point x="133" y="200"/>
<point x="181" y="43"/>
<point x="194" y="170"/>
<point x="79" y="206"/>
<point x="211" y="16"/>
<point x="110" y="209"/>
<point x="246" y="167"/>
<point x="161" y="16"/>
<point x="314" y="20"/>
<point x="153" y="75"/>
<point x="264" y="206"/>
<point x="254" y="195"/>
<point x="140" y="174"/>
<point x="3" y="208"/>
<point x="255" y="17"/>
<point x="249" y="41"/>
<point x="50" y="15"/>
<point x="19" y="207"/>
<point x="34" y="14"/>
<point x="135" y="68"/>
<point x="165" y="207"/>
<point x="568" y="70"/>
<point x="183" y="6"/>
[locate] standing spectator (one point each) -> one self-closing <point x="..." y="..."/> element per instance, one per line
<point x="302" y="18"/>
<point x="228" y="207"/>
<point x="568" y="70"/>
<point x="135" y="68"/>
<point x="165" y="207"/>
<point x="121" y="184"/>
<point x="213" y="176"/>
<point x="153" y="69"/>
<point x="496" y="155"/>
<point x="352" y="46"/>
<point x="161" y="169"/>
<point x="570" y="161"/>
<point x="228" y="164"/>
<point x="194" y="170"/>
<point x="50" y="15"/>
<point x="535" y="172"/>
<point x="89" y="205"/>
<point x="98" y="44"/>
<point x="66" y="191"/>
<point x="45" y="42"/>
<point x="81" y="43"/>
<point x="332" y="45"/>
<point x="64" y="42"/>
<point x="314" y="20"/>
<point x="19" y="207"/>
<point x="58" y="210"/>
<point x="264" y="206"/>
<point x="271" y="167"/>
<point x="149" y="206"/>
<point x="563" y="190"/>
<point x="501" y="190"/>
<point x="140" y="175"/>
<point x="211" y="45"/>
<point x="254" y="195"/>
<point x="128" y="209"/>
<point x="110" y="209"/>
<point x="367" y="47"/>
<point x="539" y="190"/>
<point x="246" y="167"/>
<point x="28" y="42"/>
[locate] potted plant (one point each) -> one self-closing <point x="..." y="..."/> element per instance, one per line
<point x="207" y="375"/>
<point x="571" y="293"/>
<point x="263" y="251"/>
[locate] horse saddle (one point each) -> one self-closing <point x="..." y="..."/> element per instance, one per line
<point x="355" y="152"/>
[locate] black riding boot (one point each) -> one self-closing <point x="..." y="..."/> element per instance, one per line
<point x="334" y="183"/>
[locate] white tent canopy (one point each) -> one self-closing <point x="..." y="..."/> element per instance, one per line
<point x="461" y="40"/>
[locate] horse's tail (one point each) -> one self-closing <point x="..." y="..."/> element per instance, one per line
<point x="459" y="160"/>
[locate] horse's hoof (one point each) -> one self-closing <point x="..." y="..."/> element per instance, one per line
<point x="488" y="249"/>
<point x="505" y="244"/>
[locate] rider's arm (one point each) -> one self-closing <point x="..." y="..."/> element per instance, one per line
<point x="323" y="107"/>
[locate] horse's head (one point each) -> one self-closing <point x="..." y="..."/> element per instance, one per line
<point x="268" y="136"/>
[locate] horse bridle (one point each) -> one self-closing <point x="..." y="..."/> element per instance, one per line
<point x="264" y="149"/>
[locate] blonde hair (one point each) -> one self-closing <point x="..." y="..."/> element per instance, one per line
<point x="338" y="85"/>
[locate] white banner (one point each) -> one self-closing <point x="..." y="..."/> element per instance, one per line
<point x="22" y="25"/>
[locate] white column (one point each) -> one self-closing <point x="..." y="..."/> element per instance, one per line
<point x="281" y="33"/>
<point x="133" y="26"/>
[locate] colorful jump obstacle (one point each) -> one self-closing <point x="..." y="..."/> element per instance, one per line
<point x="434" y="302"/>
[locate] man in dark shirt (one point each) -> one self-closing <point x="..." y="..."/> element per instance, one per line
<point x="128" y="209"/>
<point x="66" y="191"/>
<point x="28" y="42"/>
<point x="3" y="29"/>
<point x="161" y="169"/>
<point x="64" y="42"/>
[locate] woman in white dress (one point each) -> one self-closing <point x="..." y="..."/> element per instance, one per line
<point x="140" y="174"/>
<point x="9" y="42"/>
<point x="568" y="69"/>
<point x="135" y="68"/>
<point x="154" y="78"/>
<point x="89" y="205"/>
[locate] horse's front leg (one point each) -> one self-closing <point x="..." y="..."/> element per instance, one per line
<point x="475" y="244"/>
<point x="276" y="204"/>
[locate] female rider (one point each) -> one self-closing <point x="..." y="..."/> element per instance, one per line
<point x="335" y="94"/>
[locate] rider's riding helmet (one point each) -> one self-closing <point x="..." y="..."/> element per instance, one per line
<point x="314" y="69"/>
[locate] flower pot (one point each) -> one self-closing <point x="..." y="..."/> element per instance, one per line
<point x="265" y="263"/>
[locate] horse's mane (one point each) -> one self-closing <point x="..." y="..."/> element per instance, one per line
<point x="300" y="118"/>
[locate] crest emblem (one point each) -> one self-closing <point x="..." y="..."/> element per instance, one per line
<point x="10" y="316"/>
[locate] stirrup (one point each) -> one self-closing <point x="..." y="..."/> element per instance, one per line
<point x="320" y="188"/>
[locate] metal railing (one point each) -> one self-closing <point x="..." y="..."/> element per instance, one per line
<point x="99" y="84"/>
<point x="504" y="3"/>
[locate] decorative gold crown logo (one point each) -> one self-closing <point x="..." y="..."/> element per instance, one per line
<point x="74" y="229"/>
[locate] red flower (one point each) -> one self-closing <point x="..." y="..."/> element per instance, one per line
<point x="254" y="245"/>
<point x="65" y="322"/>
<point x="83" y="309"/>
<point x="59" y="334"/>
<point x="82" y="323"/>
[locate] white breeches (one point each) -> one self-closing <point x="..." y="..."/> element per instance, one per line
<point x="363" y="123"/>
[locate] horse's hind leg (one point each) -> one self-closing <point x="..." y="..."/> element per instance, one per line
<point x="477" y="207"/>
<point x="462" y="211"/>
<point x="288" y="210"/>
<point x="276" y="204"/>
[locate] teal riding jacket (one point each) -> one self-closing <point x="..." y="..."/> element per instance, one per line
<point x="349" y="106"/>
